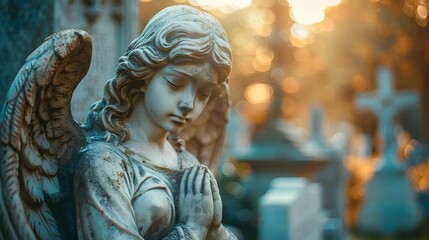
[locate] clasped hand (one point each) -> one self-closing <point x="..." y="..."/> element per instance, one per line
<point x="200" y="205"/>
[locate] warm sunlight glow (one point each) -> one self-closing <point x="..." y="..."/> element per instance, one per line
<point x="422" y="11"/>
<point x="299" y="31"/>
<point x="290" y="85"/>
<point x="332" y="3"/>
<point x="309" y="12"/>
<point x="419" y="175"/>
<point x="258" y="93"/>
<point x="225" y="6"/>
<point x="260" y="21"/>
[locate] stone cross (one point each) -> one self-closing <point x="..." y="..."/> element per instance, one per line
<point x="316" y="126"/>
<point x="385" y="104"/>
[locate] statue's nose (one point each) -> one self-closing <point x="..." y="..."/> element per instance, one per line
<point x="186" y="106"/>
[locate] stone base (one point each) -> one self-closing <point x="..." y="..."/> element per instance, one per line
<point x="390" y="205"/>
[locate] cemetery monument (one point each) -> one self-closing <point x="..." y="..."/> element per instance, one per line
<point x="125" y="173"/>
<point x="390" y="205"/>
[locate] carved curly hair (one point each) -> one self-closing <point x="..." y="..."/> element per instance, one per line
<point x="175" y="35"/>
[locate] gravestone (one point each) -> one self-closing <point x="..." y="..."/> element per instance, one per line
<point x="316" y="127"/>
<point x="25" y="24"/>
<point x="331" y="177"/>
<point x="291" y="210"/>
<point x="390" y="205"/>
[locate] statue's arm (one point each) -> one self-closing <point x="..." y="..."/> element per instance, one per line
<point x="102" y="192"/>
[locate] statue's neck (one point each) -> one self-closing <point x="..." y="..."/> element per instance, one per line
<point x="148" y="139"/>
<point x="142" y="128"/>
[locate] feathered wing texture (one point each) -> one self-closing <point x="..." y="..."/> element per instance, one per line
<point x="204" y="138"/>
<point x="38" y="134"/>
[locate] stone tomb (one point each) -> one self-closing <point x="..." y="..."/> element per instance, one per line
<point x="291" y="210"/>
<point x="390" y="205"/>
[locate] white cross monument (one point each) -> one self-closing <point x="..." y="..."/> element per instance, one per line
<point x="385" y="104"/>
<point x="390" y="205"/>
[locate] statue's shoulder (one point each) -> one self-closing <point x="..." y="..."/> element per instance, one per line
<point x="99" y="147"/>
<point x="100" y="155"/>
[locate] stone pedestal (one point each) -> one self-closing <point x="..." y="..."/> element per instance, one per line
<point x="390" y="205"/>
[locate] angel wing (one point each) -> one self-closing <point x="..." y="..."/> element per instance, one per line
<point x="38" y="134"/>
<point x="204" y="138"/>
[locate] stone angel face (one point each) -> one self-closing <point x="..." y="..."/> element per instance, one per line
<point x="125" y="173"/>
<point x="176" y="95"/>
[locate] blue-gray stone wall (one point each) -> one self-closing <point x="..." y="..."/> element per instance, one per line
<point x="24" y="24"/>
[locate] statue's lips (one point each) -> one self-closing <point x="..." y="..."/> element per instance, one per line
<point x="179" y="119"/>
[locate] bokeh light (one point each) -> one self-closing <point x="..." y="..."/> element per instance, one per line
<point x="299" y="31"/>
<point x="290" y="85"/>
<point x="258" y="93"/>
<point x="310" y="18"/>
<point x="422" y="11"/>
<point x="309" y="12"/>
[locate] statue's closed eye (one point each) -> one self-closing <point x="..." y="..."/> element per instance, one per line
<point x="173" y="84"/>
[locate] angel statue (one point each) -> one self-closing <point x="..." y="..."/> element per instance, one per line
<point x="125" y="172"/>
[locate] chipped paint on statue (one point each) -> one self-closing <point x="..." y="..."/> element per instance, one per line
<point x="125" y="173"/>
